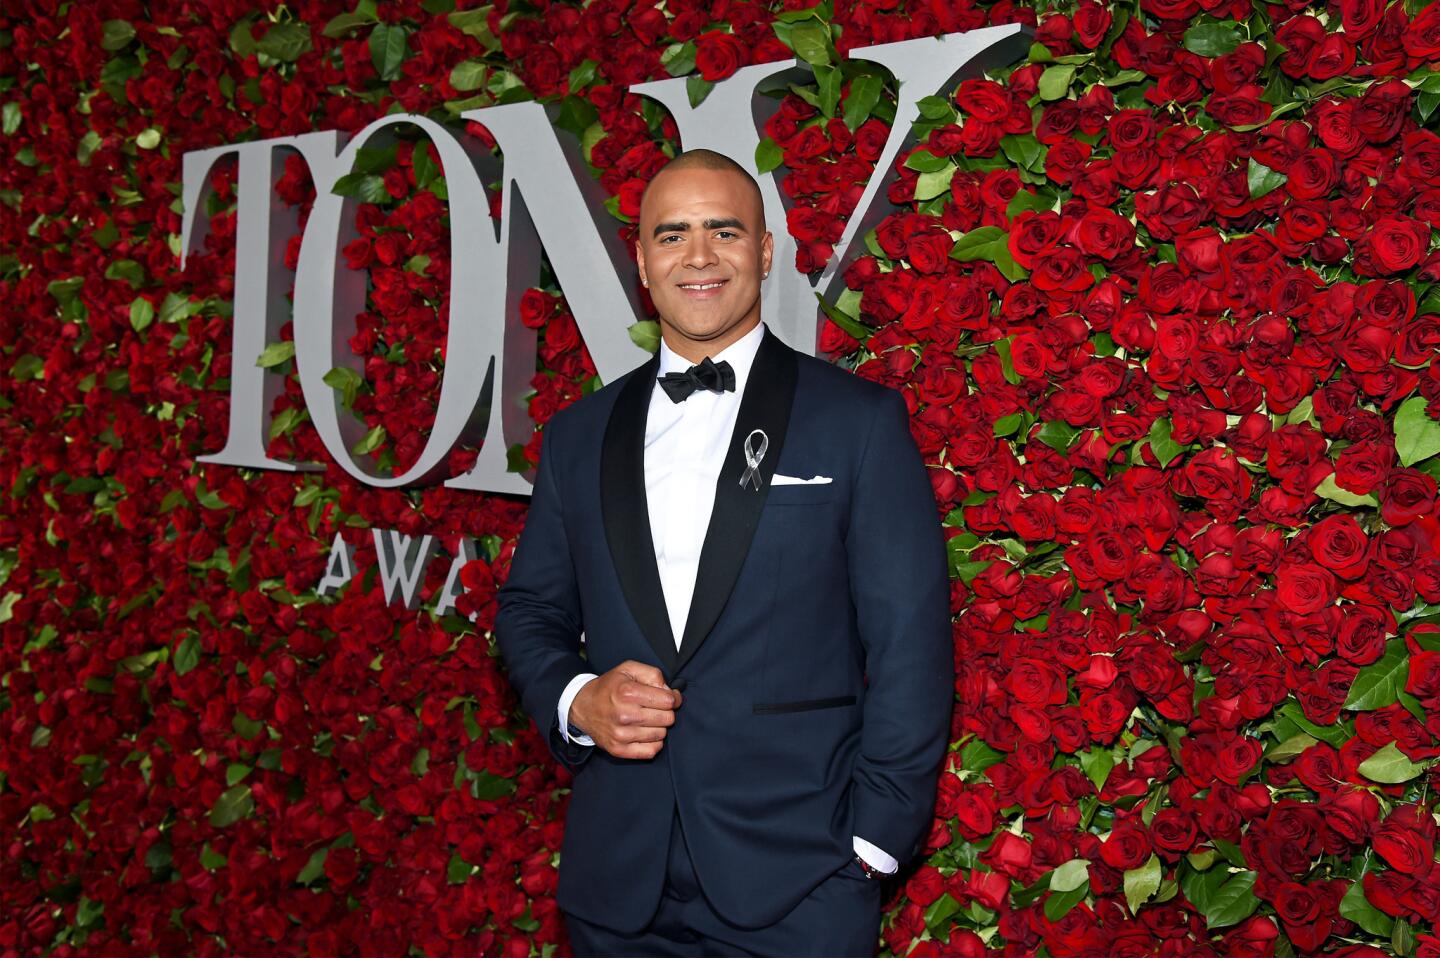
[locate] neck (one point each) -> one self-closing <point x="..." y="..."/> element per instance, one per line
<point x="694" y="350"/>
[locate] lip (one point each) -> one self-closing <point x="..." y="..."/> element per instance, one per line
<point x="707" y="289"/>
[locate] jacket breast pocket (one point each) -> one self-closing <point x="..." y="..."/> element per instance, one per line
<point x="804" y="705"/>
<point x="801" y="494"/>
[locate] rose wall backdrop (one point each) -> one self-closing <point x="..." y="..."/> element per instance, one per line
<point x="1162" y="300"/>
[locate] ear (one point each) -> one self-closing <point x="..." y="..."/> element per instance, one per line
<point x="640" y="263"/>
<point x="767" y="252"/>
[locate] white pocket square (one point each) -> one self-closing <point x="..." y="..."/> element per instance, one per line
<point x="780" y="480"/>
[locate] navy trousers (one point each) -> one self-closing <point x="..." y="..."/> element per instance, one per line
<point x="839" y="918"/>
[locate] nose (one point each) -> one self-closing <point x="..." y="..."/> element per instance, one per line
<point x="699" y="253"/>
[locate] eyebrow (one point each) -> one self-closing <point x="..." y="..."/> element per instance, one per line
<point x="711" y="224"/>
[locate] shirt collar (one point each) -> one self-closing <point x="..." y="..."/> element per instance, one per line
<point x="739" y="354"/>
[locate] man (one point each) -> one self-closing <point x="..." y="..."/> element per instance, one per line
<point x="747" y="538"/>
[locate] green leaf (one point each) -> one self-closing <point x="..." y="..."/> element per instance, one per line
<point x="276" y="353"/>
<point x="1025" y="200"/>
<point x="1164" y="448"/>
<point x="1379" y="683"/>
<point x="865" y="91"/>
<point x="148" y="139"/>
<point x="989" y="243"/>
<point x="768" y="155"/>
<point x="935" y="108"/>
<point x="469" y="75"/>
<point x="941" y="910"/>
<point x="979" y="239"/>
<point x="116" y="35"/>
<point x="1292" y="747"/>
<point x="211" y="859"/>
<point x="1328" y="489"/>
<point x="1142" y="883"/>
<point x="1263" y="180"/>
<point x="236" y="773"/>
<point x="1417" y="436"/>
<point x="1357" y="908"/>
<point x="365" y="187"/>
<point x="389" y="46"/>
<point x="679" y="58"/>
<point x="458" y="871"/>
<point x="844" y="320"/>
<point x="1233" y="902"/>
<point x="1390" y="766"/>
<point x="142" y="313"/>
<point x="88" y="144"/>
<point x="285" y="42"/>
<point x="87" y="911"/>
<point x="1057" y="434"/>
<point x="828" y="82"/>
<point x="1055" y="81"/>
<point x="233" y="804"/>
<point x="930" y="185"/>
<point x="583" y="75"/>
<point x="1025" y="151"/>
<point x="646" y="335"/>
<point x="187" y="655"/>
<point x="810" y="40"/>
<point x="314" y="868"/>
<point x="343" y="23"/>
<point x="1070" y="876"/>
<point x="1213" y="39"/>
<point x="697" y="88"/>
<point x="346" y="380"/>
<point x="10" y="117"/>
<point x="1096" y="764"/>
<point x="488" y="787"/>
<point x="476" y="23"/>
<point x="370" y="442"/>
<point x="1058" y="905"/>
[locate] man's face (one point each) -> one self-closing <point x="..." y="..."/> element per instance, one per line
<point x="703" y="251"/>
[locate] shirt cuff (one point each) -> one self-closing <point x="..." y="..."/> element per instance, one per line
<point x="874" y="857"/>
<point x="568" y="696"/>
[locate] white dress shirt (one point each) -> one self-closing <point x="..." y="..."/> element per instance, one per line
<point x="685" y="446"/>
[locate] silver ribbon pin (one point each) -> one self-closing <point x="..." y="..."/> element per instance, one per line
<point x="753" y="455"/>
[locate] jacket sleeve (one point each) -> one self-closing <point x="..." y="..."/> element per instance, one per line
<point x="539" y="621"/>
<point x="900" y="586"/>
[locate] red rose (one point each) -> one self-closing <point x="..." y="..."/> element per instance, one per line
<point x="1394" y="244"/>
<point x="1009" y="854"/>
<point x="1305" y="587"/>
<point x="929" y="252"/>
<point x="1406" y="839"/>
<point x="1127" y="847"/>
<point x="1339" y="544"/>
<point x="1104" y="233"/>
<point x="985" y="100"/>
<point x="1422" y="36"/>
<point x="1406" y="496"/>
<point x="1091" y="21"/>
<point x="1236" y="758"/>
<point x="1362" y="635"/>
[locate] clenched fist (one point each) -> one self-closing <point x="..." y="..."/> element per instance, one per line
<point x="626" y="710"/>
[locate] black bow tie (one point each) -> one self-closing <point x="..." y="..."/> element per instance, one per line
<point x="716" y="377"/>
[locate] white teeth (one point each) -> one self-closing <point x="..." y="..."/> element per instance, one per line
<point x="700" y="285"/>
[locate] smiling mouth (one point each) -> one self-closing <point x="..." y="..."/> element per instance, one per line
<point x="702" y="287"/>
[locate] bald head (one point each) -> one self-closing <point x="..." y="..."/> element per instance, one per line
<point x="709" y="160"/>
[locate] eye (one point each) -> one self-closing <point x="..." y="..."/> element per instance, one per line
<point x="665" y="240"/>
<point x="727" y="234"/>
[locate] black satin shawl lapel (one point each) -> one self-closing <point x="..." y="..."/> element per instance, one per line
<point x="769" y="393"/>
<point x="626" y="512"/>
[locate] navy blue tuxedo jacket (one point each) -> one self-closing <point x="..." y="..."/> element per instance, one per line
<point x="816" y="665"/>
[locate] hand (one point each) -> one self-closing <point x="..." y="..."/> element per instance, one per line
<point x="626" y="710"/>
